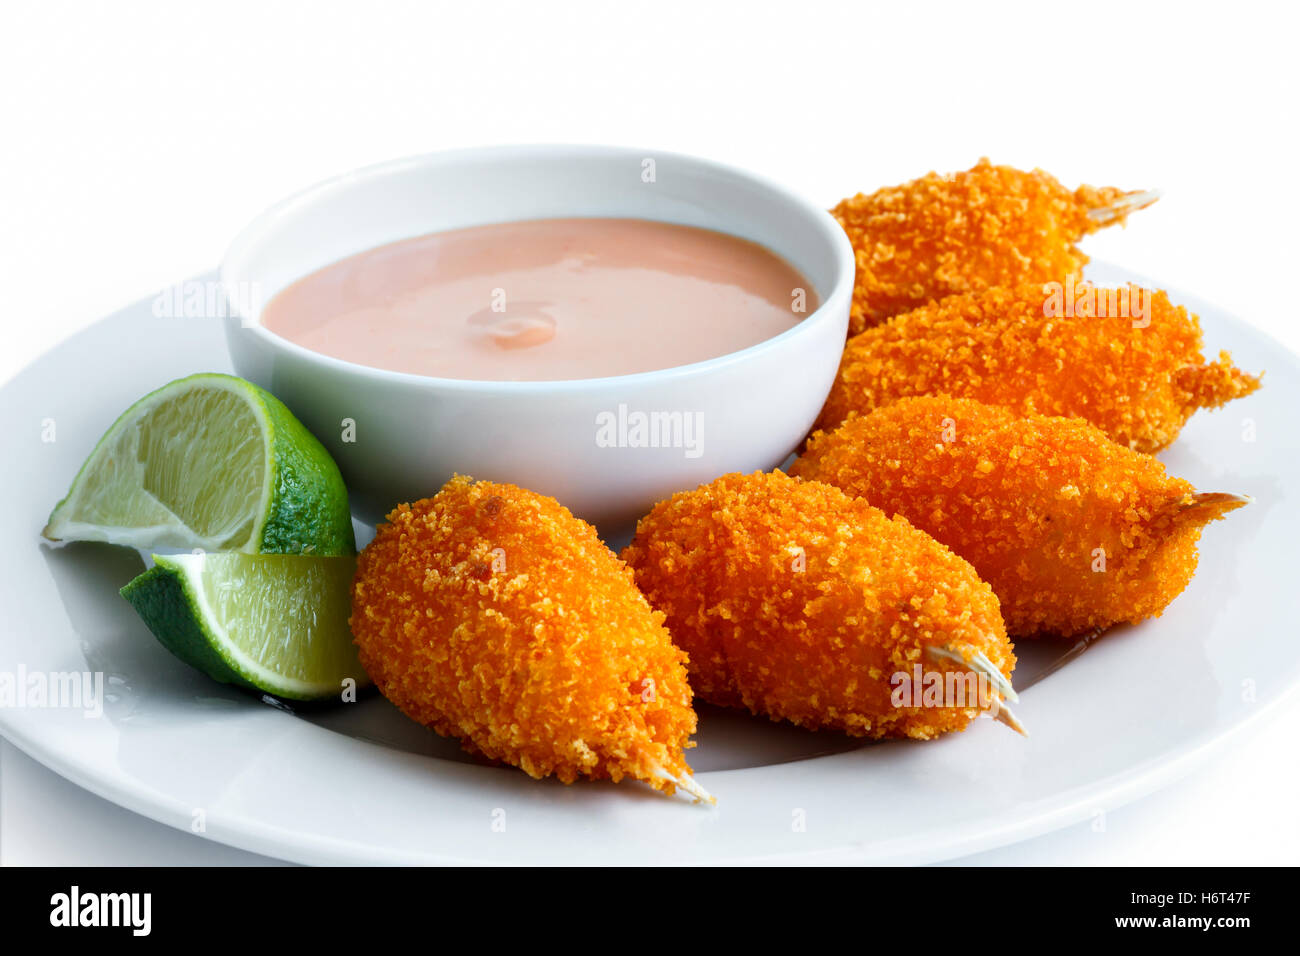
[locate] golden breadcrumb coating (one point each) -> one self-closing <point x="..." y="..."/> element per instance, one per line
<point x="1072" y="531"/>
<point x="492" y="614"/>
<point x="1137" y="382"/>
<point x="801" y="603"/>
<point x="944" y="235"/>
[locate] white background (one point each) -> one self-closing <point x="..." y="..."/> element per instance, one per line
<point x="137" y="138"/>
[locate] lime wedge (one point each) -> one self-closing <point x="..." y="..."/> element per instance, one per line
<point x="275" y="623"/>
<point x="213" y="462"/>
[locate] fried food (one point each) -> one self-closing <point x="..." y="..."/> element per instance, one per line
<point x="1127" y="360"/>
<point x="1073" y="531"/>
<point x="988" y="226"/>
<point x="796" y="601"/>
<point x="492" y="614"/>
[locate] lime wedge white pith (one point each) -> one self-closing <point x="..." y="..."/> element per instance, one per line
<point x="209" y="461"/>
<point x="276" y="623"/>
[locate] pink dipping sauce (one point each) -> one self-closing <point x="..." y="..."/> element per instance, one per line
<point x="544" y="299"/>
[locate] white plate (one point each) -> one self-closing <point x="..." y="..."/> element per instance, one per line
<point x="361" y="784"/>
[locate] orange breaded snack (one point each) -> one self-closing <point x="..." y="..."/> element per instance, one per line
<point x="1129" y="363"/>
<point x="1073" y="531"/>
<point x="945" y="235"/>
<point x="492" y="614"/>
<point x="802" y="603"/>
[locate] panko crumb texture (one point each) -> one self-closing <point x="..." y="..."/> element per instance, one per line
<point x="492" y="614"/>
<point x="1072" y="530"/>
<point x="1139" y="383"/>
<point x="944" y="235"/>
<point x="799" y="602"/>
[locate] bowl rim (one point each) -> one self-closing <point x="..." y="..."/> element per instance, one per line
<point x="841" y="288"/>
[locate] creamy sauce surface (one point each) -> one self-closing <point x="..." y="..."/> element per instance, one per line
<point x="544" y="299"/>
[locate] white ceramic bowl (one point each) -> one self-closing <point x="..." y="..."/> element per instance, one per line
<point x="398" y="437"/>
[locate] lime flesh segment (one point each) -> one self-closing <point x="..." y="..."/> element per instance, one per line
<point x="212" y="462"/>
<point x="272" y="623"/>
